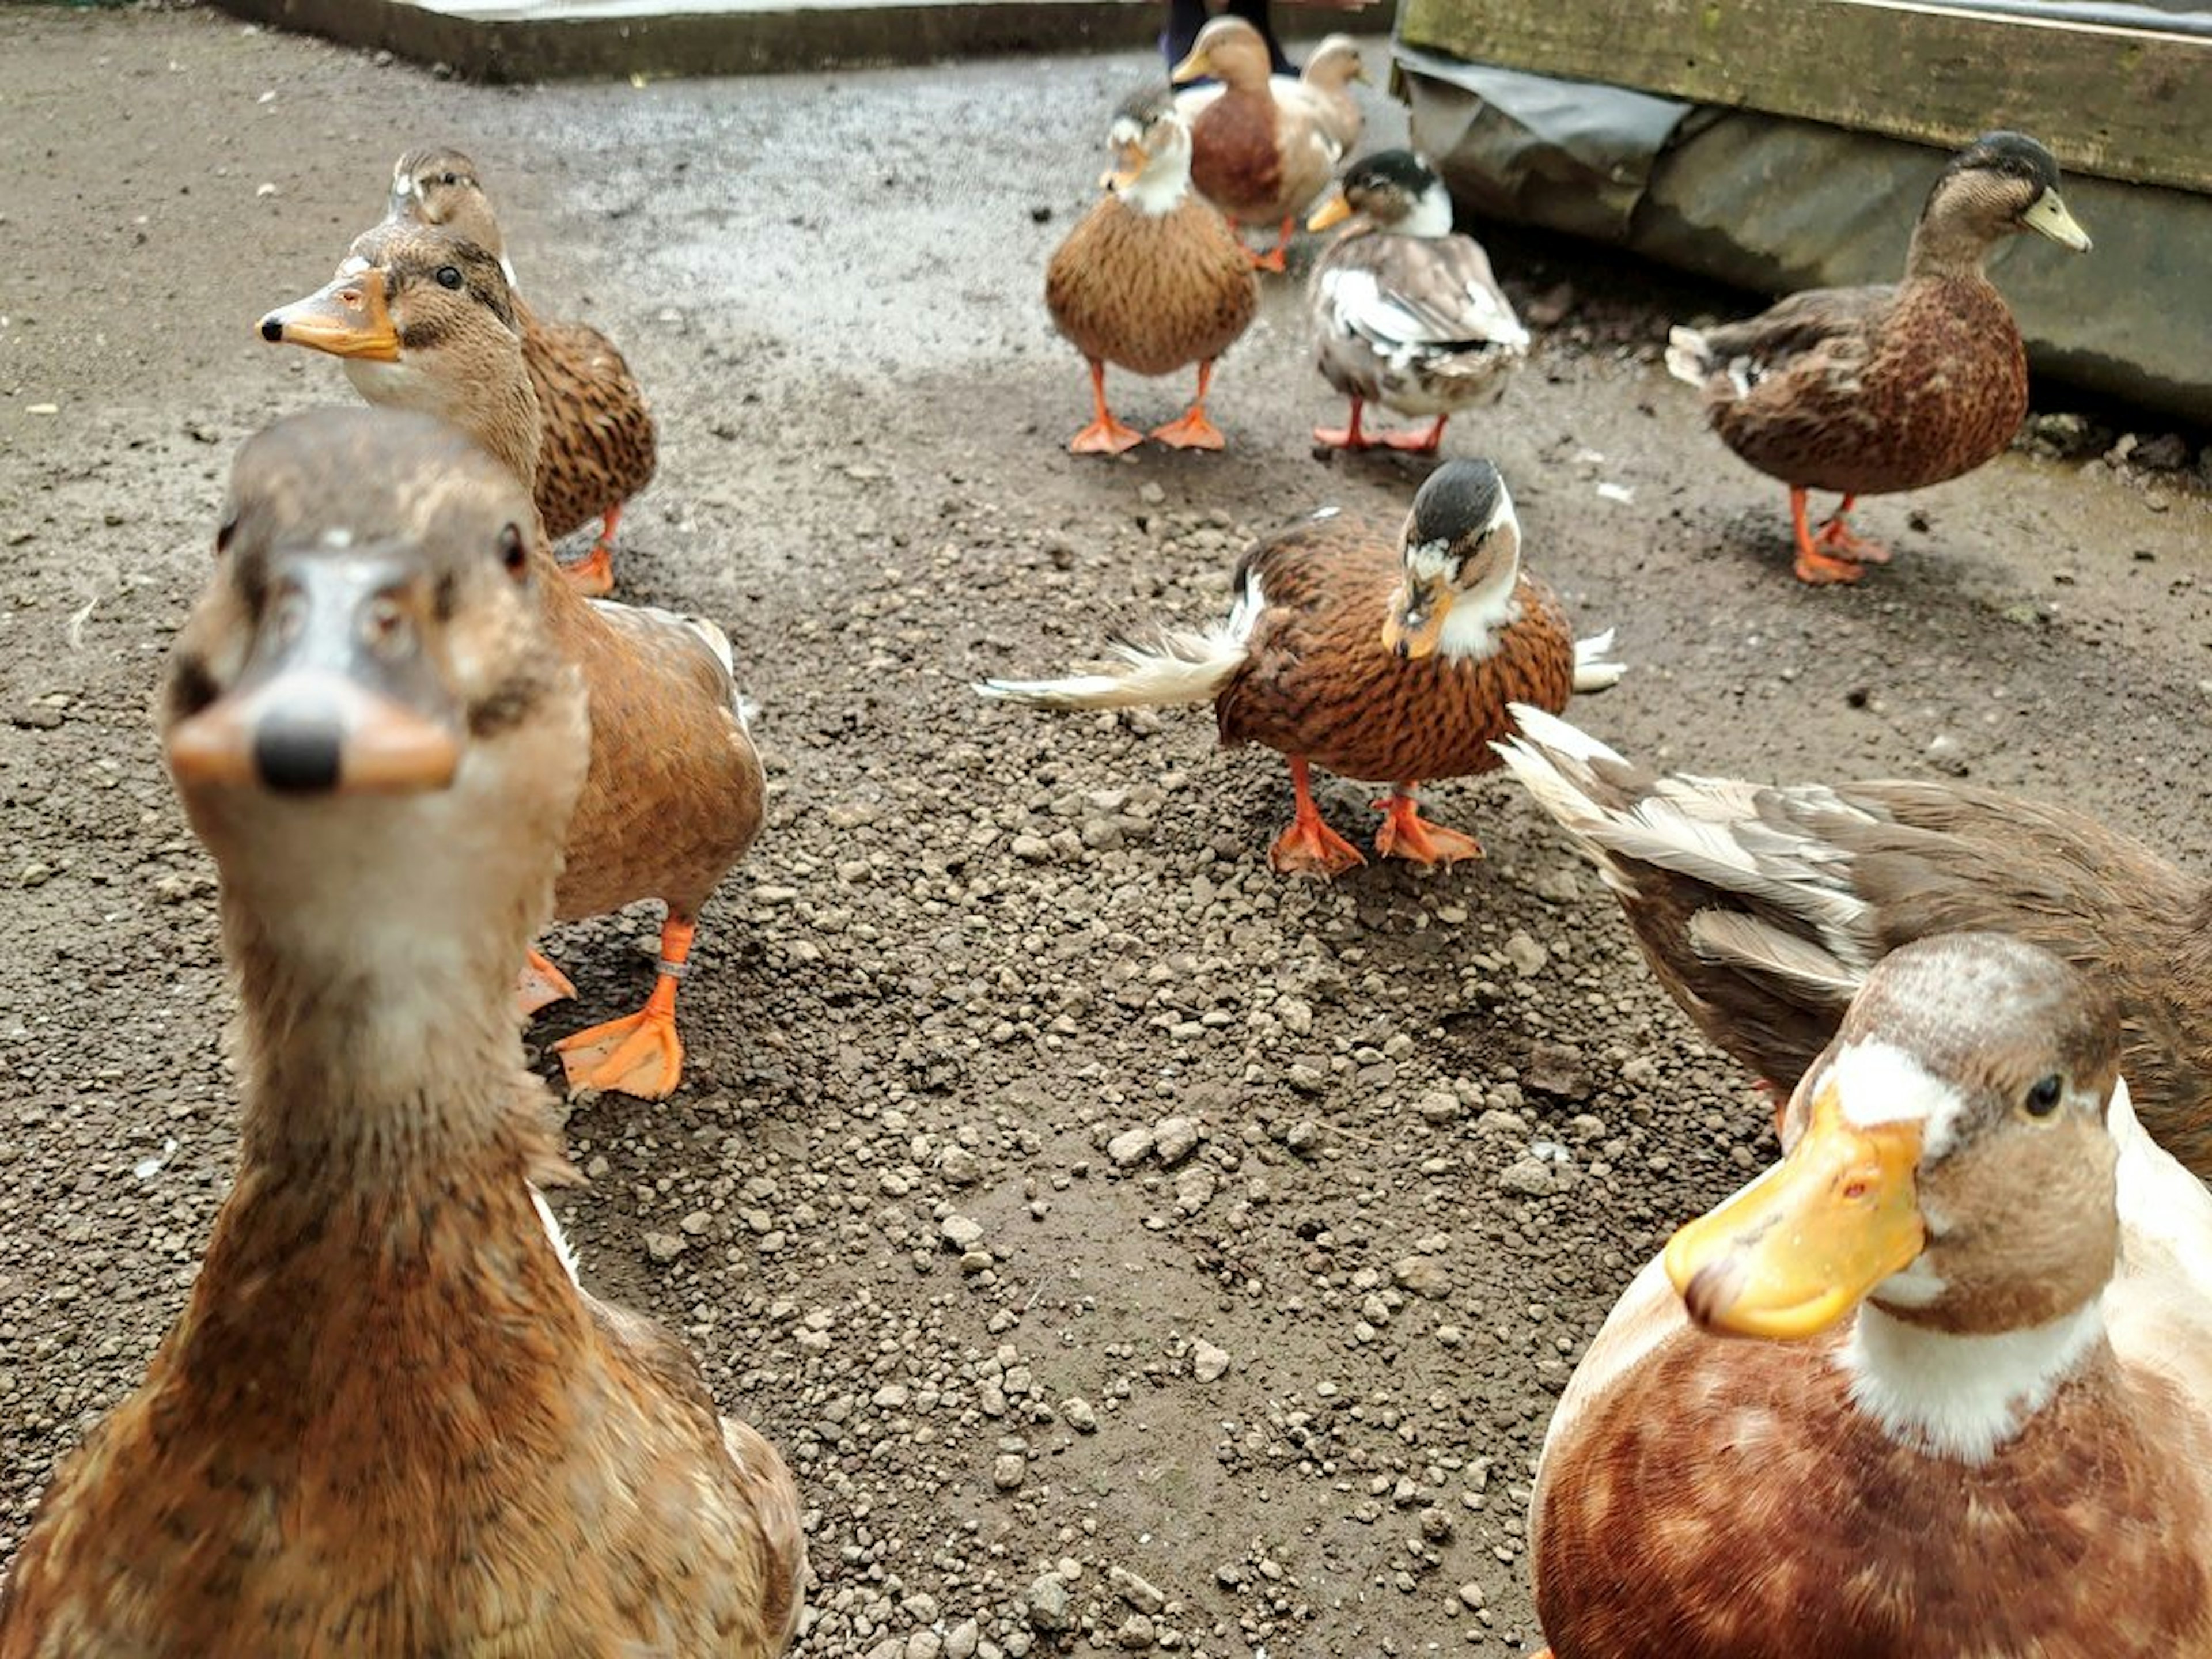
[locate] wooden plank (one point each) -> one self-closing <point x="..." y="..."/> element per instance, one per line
<point x="2123" y="103"/>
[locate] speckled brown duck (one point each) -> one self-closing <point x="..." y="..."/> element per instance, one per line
<point x="1939" y="1382"/>
<point x="674" y="793"/>
<point x="1323" y="86"/>
<point x="1259" y="157"/>
<point x="1869" y="391"/>
<point x="1151" y="279"/>
<point x="598" y="444"/>
<point x="1405" y="310"/>
<point x="1763" y="909"/>
<point x="1382" y="656"/>
<point x="388" y="1422"/>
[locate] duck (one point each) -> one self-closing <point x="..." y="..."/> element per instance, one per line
<point x="599" y="443"/>
<point x="1405" y="311"/>
<point x="1323" y="86"/>
<point x="389" y="1420"/>
<point x="1869" y="390"/>
<point x="674" y="793"/>
<point x="1762" y="908"/>
<point x="1259" y="157"/>
<point x="1938" y="1382"/>
<point x="1152" y="278"/>
<point x="1381" y="654"/>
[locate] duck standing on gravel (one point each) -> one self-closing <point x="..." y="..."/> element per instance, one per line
<point x="388" y="1422"/>
<point x="1869" y="391"/>
<point x="1152" y="278"/>
<point x="1763" y="908"/>
<point x="1380" y="656"/>
<point x="599" y="443"/>
<point x="1405" y="311"/>
<point x="1978" y="1416"/>
<point x="674" y="795"/>
<point x="1258" y="157"/>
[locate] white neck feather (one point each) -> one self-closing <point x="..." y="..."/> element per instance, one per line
<point x="1162" y="185"/>
<point x="1431" y="216"/>
<point x="1480" y="615"/>
<point x="1961" y="1397"/>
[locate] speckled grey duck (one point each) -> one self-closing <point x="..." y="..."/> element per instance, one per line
<point x="674" y="795"/>
<point x="1405" y="311"/>
<point x="1151" y="279"/>
<point x="388" y="1421"/>
<point x="599" y="443"/>
<point x="1762" y="908"/>
<point x="1380" y="655"/>
<point x="1938" y="1384"/>
<point x="1258" y="157"/>
<point x="1869" y="391"/>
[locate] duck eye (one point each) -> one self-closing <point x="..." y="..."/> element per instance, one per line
<point x="2043" y="1096"/>
<point x="513" y="552"/>
<point x="450" y="179"/>
<point x="449" y="275"/>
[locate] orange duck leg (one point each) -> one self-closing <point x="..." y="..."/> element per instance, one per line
<point x="1813" y="565"/>
<point x="594" y="574"/>
<point x="1405" y="834"/>
<point x="1836" y="538"/>
<point x="1309" y="847"/>
<point x="1275" y="258"/>
<point x="1418" y="443"/>
<point x="1104" y="436"/>
<point x="539" y="984"/>
<point x="1348" y="436"/>
<point x="640" y="1054"/>
<point x="1193" y="430"/>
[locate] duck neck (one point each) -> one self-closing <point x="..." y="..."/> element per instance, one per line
<point x="1962" y="1397"/>
<point x="492" y="401"/>
<point x="1944" y="246"/>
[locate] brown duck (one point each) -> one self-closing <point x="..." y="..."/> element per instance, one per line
<point x="1763" y="909"/>
<point x="1150" y="279"/>
<point x="1323" y="86"/>
<point x="1868" y="390"/>
<point x="388" y="1422"/>
<point x="1258" y="156"/>
<point x="1379" y="656"/>
<point x="674" y="794"/>
<point x="598" y="444"/>
<point x="1938" y="1384"/>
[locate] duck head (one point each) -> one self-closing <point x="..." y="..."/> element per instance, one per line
<point x="1151" y="154"/>
<point x="1231" y="51"/>
<point x="2002" y="184"/>
<point x="1393" y="190"/>
<point x="1461" y="556"/>
<point x="438" y="187"/>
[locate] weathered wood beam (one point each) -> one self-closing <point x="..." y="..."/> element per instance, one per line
<point x="2123" y="103"/>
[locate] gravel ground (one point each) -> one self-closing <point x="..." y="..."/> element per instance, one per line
<point x="1129" y="1249"/>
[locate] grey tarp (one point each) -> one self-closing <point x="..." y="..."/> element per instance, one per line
<point x="1777" y="204"/>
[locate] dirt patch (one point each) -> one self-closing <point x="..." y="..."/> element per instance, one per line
<point x="1127" y="1246"/>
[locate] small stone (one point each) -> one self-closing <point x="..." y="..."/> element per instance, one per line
<point x="1947" y="754"/>
<point x="1076" y="1413"/>
<point x="893" y="1395"/>
<point x="1050" y="1607"/>
<point x="1531" y="1177"/>
<point x="1194" y="1189"/>
<point x="1129" y="1147"/>
<point x="1471" y="1593"/>
<point x="1526" y="955"/>
<point x="960" y="1167"/>
<point x="960" y="1642"/>
<point x="1208" y="1362"/>
<point x="663" y="1246"/>
<point x="960" y="1232"/>
<point x="1136" y="1632"/>
<point x="925" y="1644"/>
<point x="1032" y="849"/>
<point x="696" y="1223"/>
<point x="1139" y="1593"/>
<point x="1006" y="1473"/>
<point x="1303" y="1136"/>
<point x="1423" y="1275"/>
<point x="1174" y="1140"/>
<point x="1436" y="1525"/>
<point x="1438" y="1106"/>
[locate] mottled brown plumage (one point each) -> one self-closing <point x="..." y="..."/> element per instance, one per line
<point x="1257" y="157"/>
<point x="1152" y="278"/>
<point x="2016" y="1461"/>
<point x="388" y="1424"/>
<point x="1762" y="908"/>
<point x="1386" y="655"/>
<point x="674" y="794"/>
<point x="598" y="444"/>
<point x="1869" y="391"/>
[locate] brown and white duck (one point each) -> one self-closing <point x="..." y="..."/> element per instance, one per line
<point x="1150" y="279"/>
<point x="1869" y="391"/>
<point x="1259" y="157"/>
<point x="1382" y="655"/>
<point x="674" y="794"/>
<point x="1763" y="909"/>
<point x="598" y="444"/>
<point x="1405" y="310"/>
<point x="1323" y="86"/>
<point x="1976" y="1415"/>
<point x="388" y="1422"/>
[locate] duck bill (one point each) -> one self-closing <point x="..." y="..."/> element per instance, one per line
<point x="337" y="695"/>
<point x="1334" y="210"/>
<point x="1129" y="162"/>
<point x="1194" y="65"/>
<point x="1797" y="1250"/>
<point x="350" y="317"/>
<point x="2049" y="217"/>
<point x="1416" y="621"/>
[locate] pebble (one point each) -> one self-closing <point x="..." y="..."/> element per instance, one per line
<point x="961" y="1167"/>
<point x="1423" y="1275"/>
<point x="1139" y="1593"/>
<point x="1174" y="1138"/>
<point x="1531" y="1177"/>
<point x="960" y="1232"/>
<point x="1007" y="1471"/>
<point x="1208" y="1362"/>
<point x="1076" y="1413"/>
<point x="1050" y="1607"/>
<point x="663" y="1246"/>
<point x="1129" y="1147"/>
<point x="1438" y="1106"/>
<point x="1526" y="955"/>
<point x="961" y="1641"/>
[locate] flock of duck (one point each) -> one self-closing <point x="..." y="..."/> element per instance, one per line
<point x="1974" y="1412"/>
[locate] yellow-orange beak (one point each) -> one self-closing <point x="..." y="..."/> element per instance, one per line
<point x="1129" y="162"/>
<point x="1417" y="615"/>
<point x="348" y="318"/>
<point x="1801" y="1245"/>
<point x="1333" y="210"/>
<point x="1194" y="65"/>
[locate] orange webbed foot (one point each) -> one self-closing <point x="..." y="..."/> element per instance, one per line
<point x="1820" y="570"/>
<point x="1426" y="442"/>
<point x="539" y="984"/>
<point x="1405" y="834"/>
<point x="1191" y="431"/>
<point x="1271" y="260"/>
<point x="1837" y="540"/>
<point x="593" y="575"/>
<point x="1310" y="848"/>
<point x="1105" y="437"/>
<point x="639" y="1054"/>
